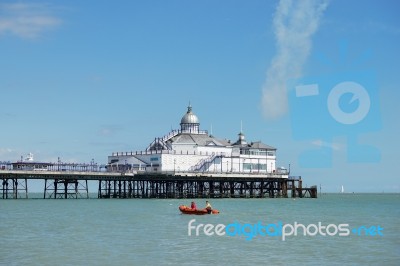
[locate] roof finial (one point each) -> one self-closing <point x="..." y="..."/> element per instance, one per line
<point x="189" y="108"/>
<point x="242" y="139"/>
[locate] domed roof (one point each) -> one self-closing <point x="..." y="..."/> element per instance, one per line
<point x="189" y="117"/>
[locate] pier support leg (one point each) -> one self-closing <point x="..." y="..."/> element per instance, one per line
<point x="65" y="189"/>
<point x="300" y="188"/>
<point x="14" y="188"/>
<point x="284" y="189"/>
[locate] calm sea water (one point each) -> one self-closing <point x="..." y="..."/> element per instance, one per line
<point x="153" y="232"/>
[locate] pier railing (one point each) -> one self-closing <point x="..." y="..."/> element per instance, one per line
<point x="132" y="153"/>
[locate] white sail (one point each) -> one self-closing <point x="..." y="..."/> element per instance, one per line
<point x="342" y="189"/>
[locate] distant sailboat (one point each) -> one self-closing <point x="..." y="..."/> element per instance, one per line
<point x="342" y="190"/>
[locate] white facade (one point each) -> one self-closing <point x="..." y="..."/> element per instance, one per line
<point x="192" y="151"/>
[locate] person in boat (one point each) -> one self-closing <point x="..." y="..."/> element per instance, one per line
<point x="208" y="207"/>
<point x="193" y="206"/>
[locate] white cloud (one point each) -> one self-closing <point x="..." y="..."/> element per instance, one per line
<point x="4" y="151"/>
<point x="294" y="24"/>
<point x="109" y="130"/>
<point x="321" y="143"/>
<point x="8" y="154"/>
<point x="27" y="21"/>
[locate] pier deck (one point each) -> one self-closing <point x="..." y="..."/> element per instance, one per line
<point x="73" y="184"/>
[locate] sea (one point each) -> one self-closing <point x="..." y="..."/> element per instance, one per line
<point x="334" y="229"/>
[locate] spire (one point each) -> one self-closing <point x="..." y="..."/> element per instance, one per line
<point x="242" y="139"/>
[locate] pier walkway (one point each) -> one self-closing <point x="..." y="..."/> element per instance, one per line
<point x="70" y="183"/>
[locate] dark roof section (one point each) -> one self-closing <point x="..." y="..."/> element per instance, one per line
<point x="199" y="139"/>
<point x="260" y="145"/>
<point x="255" y="145"/>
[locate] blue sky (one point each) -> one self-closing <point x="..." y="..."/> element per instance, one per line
<point x="82" y="79"/>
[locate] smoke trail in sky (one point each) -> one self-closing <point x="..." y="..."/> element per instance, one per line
<point x="294" y="24"/>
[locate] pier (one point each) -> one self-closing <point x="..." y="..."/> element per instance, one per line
<point x="68" y="183"/>
<point x="184" y="163"/>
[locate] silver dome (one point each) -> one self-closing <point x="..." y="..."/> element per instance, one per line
<point x="189" y="117"/>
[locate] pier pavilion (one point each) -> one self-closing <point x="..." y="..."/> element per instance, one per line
<point x="192" y="150"/>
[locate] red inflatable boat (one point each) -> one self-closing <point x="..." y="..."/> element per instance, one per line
<point x="187" y="210"/>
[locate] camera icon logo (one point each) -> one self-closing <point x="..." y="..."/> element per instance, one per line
<point x="325" y="107"/>
<point x="359" y="93"/>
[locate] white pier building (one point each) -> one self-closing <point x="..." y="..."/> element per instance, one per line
<point x="191" y="151"/>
